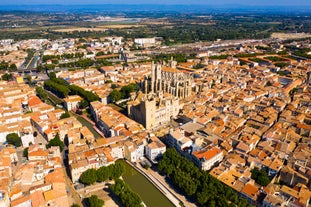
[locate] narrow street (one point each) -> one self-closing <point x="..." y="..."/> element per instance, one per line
<point x="73" y="196"/>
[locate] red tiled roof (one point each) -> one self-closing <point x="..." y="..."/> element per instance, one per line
<point x="207" y="154"/>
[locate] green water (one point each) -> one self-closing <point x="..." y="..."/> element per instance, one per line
<point x="87" y="124"/>
<point x="151" y="196"/>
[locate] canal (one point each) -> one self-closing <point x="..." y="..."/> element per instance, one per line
<point x="151" y="196"/>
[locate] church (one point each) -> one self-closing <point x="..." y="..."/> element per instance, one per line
<point x="160" y="101"/>
<point x="169" y="80"/>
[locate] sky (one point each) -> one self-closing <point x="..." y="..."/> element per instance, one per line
<point x="167" y="2"/>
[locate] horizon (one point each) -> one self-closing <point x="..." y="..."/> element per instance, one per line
<point x="220" y="3"/>
<point x="148" y="6"/>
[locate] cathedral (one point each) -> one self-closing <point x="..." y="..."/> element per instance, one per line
<point x="168" y="80"/>
<point x="160" y="101"/>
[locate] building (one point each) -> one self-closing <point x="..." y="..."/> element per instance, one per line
<point x="111" y="122"/>
<point x="145" y="42"/>
<point x="71" y="102"/>
<point x="153" y="111"/>
<point x="154" y="149"/>
<point x="168" y="80"/>
<point x="208" y="157"/>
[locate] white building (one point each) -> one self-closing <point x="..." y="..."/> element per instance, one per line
<point x="145" y="41"/>
<point x="154" y="149"/>
<point x="178" y="140"/>
<point x="71" y="102"/>
<point x="208" y="157"/>
<point x="117" y="151"/>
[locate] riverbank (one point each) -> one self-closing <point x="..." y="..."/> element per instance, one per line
<point x="151" y="192"/>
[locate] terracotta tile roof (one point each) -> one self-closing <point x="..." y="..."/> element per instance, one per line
<point x="34" y="100"/>
<point x="251" y="191"/>
<point x="20" y="201"/>
<point x="171" y="70"/>
<point x="37" y="199"/>
<point x="55" y="177"/>
<point x="207" y="154"/>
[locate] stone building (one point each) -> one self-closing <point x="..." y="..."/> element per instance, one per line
<point x="160" y="100"/>
<point x="168" y="80"/>
<point x="153" y="110"/>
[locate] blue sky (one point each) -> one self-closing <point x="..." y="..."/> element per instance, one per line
<point x="207" y="2"/>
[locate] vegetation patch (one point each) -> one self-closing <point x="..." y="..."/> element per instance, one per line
<point x="260" y="176"/>
<point x="197" y="184"/>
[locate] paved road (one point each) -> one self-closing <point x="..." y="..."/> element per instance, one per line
<point x="72" y="194"/>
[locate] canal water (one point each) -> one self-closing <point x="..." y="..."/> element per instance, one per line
<point x="151" y="196"/>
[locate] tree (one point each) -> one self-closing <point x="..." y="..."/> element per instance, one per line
<point x="112" y="171"/>
<point x="94" y="201"/>
<point x="28" y="77"/>
<point x="14" y="139"/>
<point x="127" y="90"/>
<point x="40" y="68"/>
<point x="195" y="183"/>
<point x="75" y="205"/>
<point x="88" y="177"/>
<point x="260" y="176"/>
<point x="268" y="83"/>
<point x="56" y="142"/>
<point x="41" y="93"/>
<point x="7" y="77"/>
<point x="83" y="104"/>
<point x="87" y="95"/>
<point x="108" y="81"/>
<point x="125" y="194"/>
<point x="65" y="115"/>
<point x="57" y="88"/>
<point x="12" y="67"/>
<point x="52" y="75"/>
<point x="25" y="152"/>
<point x="115" y="95"/>
<point x="103" y="174"/>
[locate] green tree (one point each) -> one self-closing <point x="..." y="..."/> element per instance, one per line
<point x="260" y="176"/>
<point x="56" y="142"/>
<point x="28" y="77"/>
<point x="268" y="83"/>
<point x="127" y="90"/>
<point x="115" y="95"/>
<point x="7" y="77"/>
<point x="94" y="201"/>
<point x="88" y="177"/>
<point x="41" y="93"/>
<point x="112" y="171"/>
<point x="40" y="68"/>
<point x="25" y="152"/>
<point x="195" y="183"/>
<point x="125" y="194"/>
<point x="54" y="86"/>
<point x="12" y="68"/>
<point x="50" y="67"/>
<point x="14" y="139"/>
<point x="52" y="75"/>
<point x="87" y="95"/>
<point x="75" y="205"/>
<point x="83" y="104"/>
<point x="65" y="115"/>
<point x="103" y="174"/>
